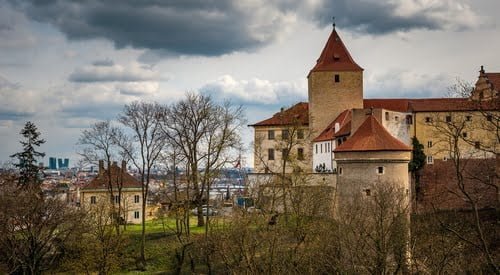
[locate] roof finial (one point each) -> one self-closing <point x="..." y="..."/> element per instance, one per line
<point x="482" y="69"/>
<point x="333" y="22"/>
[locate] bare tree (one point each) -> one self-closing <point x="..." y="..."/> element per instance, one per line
<point x="98" y="144"/>
<point x="142" y="141"/>
<point x="205" y="133"/>
<point x="465" y="138"/>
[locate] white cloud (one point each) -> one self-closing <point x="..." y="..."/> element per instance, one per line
<point x="256" y="90"/>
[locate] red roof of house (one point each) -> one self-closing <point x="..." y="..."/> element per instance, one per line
<point x="101" y="181"/>
<point x="335" y="56"/>
<point x="328" y="134"/>
<point x="372" y="136"/>
<point x="298" y="113"/>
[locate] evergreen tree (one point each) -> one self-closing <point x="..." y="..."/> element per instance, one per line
<point x="416" y="163"/>
<point x="28" y="168"/>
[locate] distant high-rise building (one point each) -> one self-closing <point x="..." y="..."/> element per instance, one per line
<point x="52" y="163"/>
<point x="63" y="164"/>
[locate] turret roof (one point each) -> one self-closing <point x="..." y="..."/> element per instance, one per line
<point x="372" y="136"/>
<point x="335" y="56"/>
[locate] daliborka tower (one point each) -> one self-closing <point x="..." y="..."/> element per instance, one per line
<point x="335" y="84"/>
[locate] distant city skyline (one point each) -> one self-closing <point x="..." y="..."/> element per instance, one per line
<point x="65" y="66"/>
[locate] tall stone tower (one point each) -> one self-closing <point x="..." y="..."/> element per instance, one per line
<point x="334" y="84"/>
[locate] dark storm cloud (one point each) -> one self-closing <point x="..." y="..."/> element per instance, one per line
<point x="184" y="27"/>
<point x="381" y="17"/>
<point x="216" y="27"/>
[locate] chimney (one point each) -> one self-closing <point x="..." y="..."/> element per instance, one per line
<point x="115" y="163"/>
<point x="124" y="166"/>
<point x="101" y="166"/>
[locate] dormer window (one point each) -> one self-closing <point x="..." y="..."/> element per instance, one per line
<point x="336" y="57"/>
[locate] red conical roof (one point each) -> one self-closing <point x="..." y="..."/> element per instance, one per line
<point x="335" y="56"/>
<point x="372" y="136"/>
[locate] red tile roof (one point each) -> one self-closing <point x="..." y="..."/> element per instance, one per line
<point x="429" y="104"/>
<point x="298" y="113"/>
<point x="101" y="181"/>
<point x="372" y="136"/>
<point x="329" y="133"/>
<point x="335" y="56"/>
<point x="344" y="131"/>
<point x="393" y="104"/>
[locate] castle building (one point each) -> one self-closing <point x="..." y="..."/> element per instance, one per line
<point x="340" y="133"/>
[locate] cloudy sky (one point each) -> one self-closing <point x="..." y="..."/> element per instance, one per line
<point x="67" y="64"/>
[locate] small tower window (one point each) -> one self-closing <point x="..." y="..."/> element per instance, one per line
<point x="428" y="119"/>
<point x="337" y="78"/>
<point x="93" y="200"/>
<point x="464" y="134"/>
<point x="409" y="119"/>
<point x="396" y="118"/>
<point x="429" y="144"/>
<point x="448" y="118"/>
<point x="340" y="171"/>
<point x="468" y="118"/>
<point x="386" y="115"/>
<point x="477" y="145"/>
<point x="380" y="170"/>
<point x="368" y="192"/>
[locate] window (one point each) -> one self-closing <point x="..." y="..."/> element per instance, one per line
<point x="316" y="148"/>
<point x="339" y="141"/>
<point x="380" y="170"/>
<point x="270" y="134"/>
<point x="270" y="154"/>
<point x="468" y="118"/>
<point x="93" y="200"/>
<point x="464" y="134"/>
<point x="300" y="153"/>
<point x="429" y="144"/>
<point x="477" y="145"/>
<point x="136" y="215"/>
<point x="136" y="199"/>
<point x="337" y="78"/>
<point x="409" y="119"/>
<point x="396" y="118"/>
<point x="284" y="134"/>
<point x="321" y="147"/>
<point x="387" y="116"/>
<point x="489" y="117"/>
<point x="340" y="170"/>
<point x="300" y="134"/>
<point x="448" y="118"/>
<point x="117" y="199"/>
<point x="368" y="192"/>
<point x="284" y="154"/>
<point x="428" y="119"/>
<point x="430" y="160"/>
